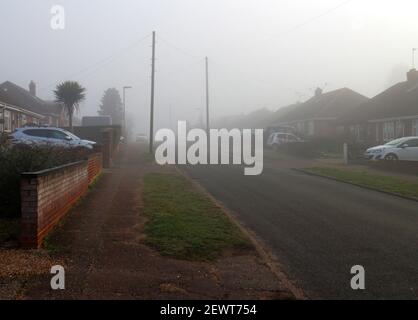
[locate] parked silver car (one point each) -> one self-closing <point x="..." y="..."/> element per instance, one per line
<point x="278" y="138"/>
<point x="49" y="136"/>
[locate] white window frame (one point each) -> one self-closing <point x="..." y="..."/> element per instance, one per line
<point x="415" y="127"/>
<point x="399" y="129"/>
<point x="311" y="128"/>
<point x="1" y="118"/>
<point x="388" y="131"/>
<point x="7" y="116"/>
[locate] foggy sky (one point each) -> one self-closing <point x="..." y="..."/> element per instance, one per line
<point x="262" y="52"/>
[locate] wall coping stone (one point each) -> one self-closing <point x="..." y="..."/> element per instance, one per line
<point x="52" y="170"/>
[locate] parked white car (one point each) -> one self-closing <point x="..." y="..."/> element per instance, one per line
<point x="49" y="136"/>
<point x="399" y="149"/>
<point x="276" y="139"/>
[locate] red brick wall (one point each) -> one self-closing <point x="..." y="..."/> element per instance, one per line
<point x="107" y="148"/>
<point x="47" y="197"/>
<point x="95" y="166"/>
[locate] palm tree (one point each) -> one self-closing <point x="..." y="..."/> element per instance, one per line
<point x="70" y="94"/>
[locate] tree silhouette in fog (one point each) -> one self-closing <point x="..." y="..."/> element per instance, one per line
<point x="70" y="94"/>
<point x="111" y="105"/>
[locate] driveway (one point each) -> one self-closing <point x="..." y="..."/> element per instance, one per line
<point x="319" y="228"/>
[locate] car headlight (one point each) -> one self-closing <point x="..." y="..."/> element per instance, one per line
<point x="376" y="151"/>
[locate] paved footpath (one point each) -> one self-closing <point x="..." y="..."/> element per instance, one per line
<point x="101" y="244"/>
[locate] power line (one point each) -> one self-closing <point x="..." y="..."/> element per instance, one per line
<point x="178" y="49"/>
<point x="315" y="18"/>
<point x="98" y="65"/>
<point x="167" y="74"/>
<point x="180" y="69"/>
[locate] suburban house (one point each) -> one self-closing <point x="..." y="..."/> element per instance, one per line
<point x="318" y="117"/>
<point x="391" y="114"/>
<point x="12" y="117"/>
<point x="28" y="108"/>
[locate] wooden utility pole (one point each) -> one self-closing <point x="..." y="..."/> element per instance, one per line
<point x="207" y="96"/>
<point x="151" y="135"/>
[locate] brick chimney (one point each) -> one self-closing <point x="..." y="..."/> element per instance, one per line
<point x="32" y="88"/>
<point x="412" y="76"/>
<point x="318" y="92"/>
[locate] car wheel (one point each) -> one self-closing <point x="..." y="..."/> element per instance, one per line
<point x="391" y="157"/>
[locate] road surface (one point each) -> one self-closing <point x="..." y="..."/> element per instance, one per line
<point x="319" y="229"/>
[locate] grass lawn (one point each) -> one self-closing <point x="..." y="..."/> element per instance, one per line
<point x="376" y="181"/>
<point x="184" y="223"/>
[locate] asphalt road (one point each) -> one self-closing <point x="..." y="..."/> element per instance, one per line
<point x="319" y="229"/>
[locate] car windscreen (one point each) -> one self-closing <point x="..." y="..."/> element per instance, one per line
<point x="68" y="133"/>
<point x="396" y="142"/>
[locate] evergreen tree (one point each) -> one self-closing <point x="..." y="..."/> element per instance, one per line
<point x="111" y="105"/>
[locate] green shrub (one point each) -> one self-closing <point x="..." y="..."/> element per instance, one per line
<point x="16" y="159"/>
<point x="314" y="148"/>
<point x="326" y="145"/>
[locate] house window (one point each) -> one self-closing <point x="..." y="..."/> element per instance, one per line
<point x="7" y="120"/>
<point x="400" y="129"/>
<point x="415" y="127"/>
<point x="1" y="119"/>
<point x="311" y="128"/>
<point x="356" y="132"/>
<point x="388" y="131"/>
<point x="300" y="127"/>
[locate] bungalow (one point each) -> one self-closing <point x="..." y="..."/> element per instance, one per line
<point x="52" y="113"/>
<point x="12" y="117"/>
<point x="389" y="115"/>
<point x="318" y="116"/>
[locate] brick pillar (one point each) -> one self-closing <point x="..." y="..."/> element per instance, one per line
<point x="29" y="203"/>
<point x="107" y="148"/>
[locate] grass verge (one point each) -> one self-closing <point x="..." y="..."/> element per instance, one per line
<point x="184" y="224"/>
<point x="366" y="179"/>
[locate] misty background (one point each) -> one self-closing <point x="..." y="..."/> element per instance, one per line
<point x="262" y="53"/>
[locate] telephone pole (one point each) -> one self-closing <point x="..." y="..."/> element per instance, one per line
<point x="151" y="135"/>
<point x="124" y="109"/>
<point x="207" y="96"/>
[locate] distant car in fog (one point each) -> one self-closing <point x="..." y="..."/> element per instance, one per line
<point x="399" y="149"/>
<point x="141" y="138"/>
<point x="49" y="136"/>
<point x="277" y="139"/>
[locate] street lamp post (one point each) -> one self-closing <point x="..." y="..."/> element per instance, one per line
<point x="124" y="108"/>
